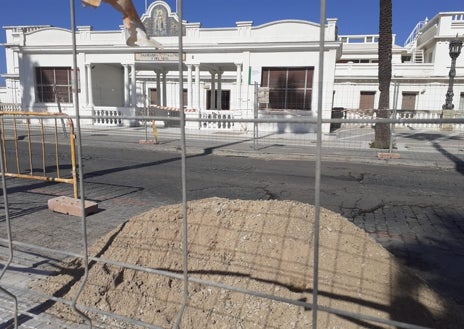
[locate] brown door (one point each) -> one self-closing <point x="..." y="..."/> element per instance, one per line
<point x="409" y="101"/>
<point x="367" y="99"/>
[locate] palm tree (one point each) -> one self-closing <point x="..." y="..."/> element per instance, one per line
<point x="382" y="130"/>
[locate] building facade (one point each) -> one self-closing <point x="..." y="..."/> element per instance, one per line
<point x="420" y="69"/>
<point x="245" y="71"/>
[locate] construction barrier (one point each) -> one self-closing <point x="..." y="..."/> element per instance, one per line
<point x="23" y="132"/>
<point x="170" y="108"/>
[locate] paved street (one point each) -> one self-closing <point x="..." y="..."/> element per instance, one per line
<point x="411" y="205"/>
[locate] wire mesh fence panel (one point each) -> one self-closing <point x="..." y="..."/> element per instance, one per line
<point x="194" y="231"/>
<point x="235" y="251"/>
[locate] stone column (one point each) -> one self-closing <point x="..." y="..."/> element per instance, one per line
<point x="219" y="91"/>
<point x="133" y="87"/>
<point x="190" y="87"/>
<point x="158" y="88"/>
<point x="89" y="85"/>
<point x="164" y="89"/>
<point x="197" y="86"/>
<point x="126" y="85"/>
<point x="213" y="91"/>
<point x="239" y="87"/>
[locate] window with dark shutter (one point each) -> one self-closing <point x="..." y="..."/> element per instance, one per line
<point x="290" y="88"/>
<point x="53" y="84"/>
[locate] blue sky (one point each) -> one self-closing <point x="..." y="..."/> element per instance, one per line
<point x="354" y="16"/>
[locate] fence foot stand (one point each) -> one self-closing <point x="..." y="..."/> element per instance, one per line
<point x="71" y="206"/>
<point x="148" y="141"/>
<point x="388" y="155"/>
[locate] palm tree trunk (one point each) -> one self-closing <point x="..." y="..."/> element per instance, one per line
<point x="382" y="130"/>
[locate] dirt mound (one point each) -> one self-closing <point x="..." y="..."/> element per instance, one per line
<point x="264" y="246"/>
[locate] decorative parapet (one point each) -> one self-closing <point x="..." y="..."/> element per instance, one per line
<point x="29" y="28"/>
<point x="458" y="18"/>
<point x="244" y="28"/>
<point x="368" y="38"/>
<point x="457" y="21"/>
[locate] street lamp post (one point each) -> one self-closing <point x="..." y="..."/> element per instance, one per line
<point x="454" y="51"/>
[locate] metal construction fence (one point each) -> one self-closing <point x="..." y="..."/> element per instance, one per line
<point x="350" y="133"/>
<point x="302" y="136"/>
<point x="343" y="142"/>
<point x="47" y="133"/>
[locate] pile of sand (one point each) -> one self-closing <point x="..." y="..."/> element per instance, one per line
<point x="263" y="246"/>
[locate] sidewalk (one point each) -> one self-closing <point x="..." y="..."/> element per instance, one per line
<point x="429" y="148"/>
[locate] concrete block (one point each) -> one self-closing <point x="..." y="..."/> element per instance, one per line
<point x="71" y="206"/>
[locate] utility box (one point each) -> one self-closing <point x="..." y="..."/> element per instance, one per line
<point x="337" y="113"/>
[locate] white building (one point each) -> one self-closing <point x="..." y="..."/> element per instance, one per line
<point x="420" y="68"/>
<point x="223" y="67"/>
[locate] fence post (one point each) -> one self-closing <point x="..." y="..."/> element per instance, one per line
<point x="255" y="116"/>
<point x="72" y="141"/>
<point x="392" y="132"/>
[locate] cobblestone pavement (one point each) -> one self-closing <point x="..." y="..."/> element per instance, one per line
<point x="423" y="237"/>
<point x="432" y="234"/>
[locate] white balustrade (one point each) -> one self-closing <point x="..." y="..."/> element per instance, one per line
<point x="108" y="116"/>
<point x="213" y="115"/>
<point x="10" y="107"/>
<point x="356" y="114"/>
